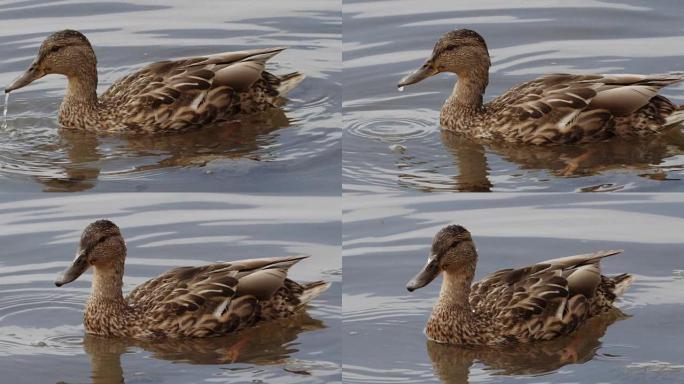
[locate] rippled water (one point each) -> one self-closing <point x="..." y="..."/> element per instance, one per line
<point x="302" y="141"/>
<point x="41" y="336"/>
<point x="4" y="111"/>
<point x="387" y="238"/>
<point x="393" y="141"/>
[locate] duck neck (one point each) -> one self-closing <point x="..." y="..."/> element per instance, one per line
<point x="455" y="290"/>
<point x="80" y="103"/>
<point x="106" y="300"/>
<point x="107" y="286"/>
<point x="452" y="319"/>
<point x="466" y="100"/>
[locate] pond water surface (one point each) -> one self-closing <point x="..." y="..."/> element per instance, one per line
<point x="41" y="333"/>
<point x="387" y="238"/>
<point x="393" y="141"/>
<point x="297" y="149"/>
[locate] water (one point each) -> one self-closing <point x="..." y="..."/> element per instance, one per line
<point x="387" y="238"/>
<point x="298" y="149"/>
<point x="385" y="41"/>
<point x="41" y="332"/>
<point x="4" y="111"/>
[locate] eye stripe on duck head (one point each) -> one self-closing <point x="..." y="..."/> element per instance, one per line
<point x="62" y="39"/>
<point x="92" y="246"/>
<point x="457" y="39"/>
<point x="447" y="238"/>
<point x="97" y="233"/>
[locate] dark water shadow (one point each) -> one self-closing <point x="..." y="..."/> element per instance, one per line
<point x="267" y="344"/>
<point x="452" y="363"/>
<point x="562" y="161"/>
<point x="195" y="148"/>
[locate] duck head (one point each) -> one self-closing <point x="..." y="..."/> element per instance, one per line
<point x="66" y="52"/>
<point x="101" y="246"/>
<point x="452" y="250"/>
<point x="461" y="51"/>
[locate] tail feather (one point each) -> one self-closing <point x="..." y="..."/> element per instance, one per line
<point x="312" y="290"/>
<point x="622" y="283"/>
<point x="676" y="117"/>
<point x="289" y="82"/>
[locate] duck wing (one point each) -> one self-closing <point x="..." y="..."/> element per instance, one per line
<point x="576" y="108"/>
<point x="541" y="301"/>
<point x="189" y="91"/>
<point x="211" y="299"/>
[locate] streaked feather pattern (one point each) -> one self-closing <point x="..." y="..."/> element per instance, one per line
<point x="167" y="96"/>
<point x="567" y="109"/>
<point x="553" y="109"/>
<point x="215" y="299"/>
<point x="533" y="303"/>
<point x="178" y="95"/>
<point x="208" y="300"/>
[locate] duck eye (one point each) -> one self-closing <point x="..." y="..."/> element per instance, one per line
<point x="55" y="48"/>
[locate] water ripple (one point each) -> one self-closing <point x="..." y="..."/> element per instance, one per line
<point x="401" y="127"/>
<point x="21" y="310"/>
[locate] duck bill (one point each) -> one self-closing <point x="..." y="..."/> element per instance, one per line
<point x="426" y="70"/>
<point x="425" y="276"/>
<point x="25" y="79"/>
<point x="76" y="269"/>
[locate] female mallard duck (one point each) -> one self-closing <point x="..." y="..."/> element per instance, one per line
<point x="165" y="96"/>
<point x="201" y="301"/>
<point x="553" y="109"/>
<point x="534" y="303"/>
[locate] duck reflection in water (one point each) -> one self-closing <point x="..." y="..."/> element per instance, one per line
<point x="451" y="363"/>
<point x="267" y="344"/>
<point x="225" y="140"/>
<point x="562" y="161"/>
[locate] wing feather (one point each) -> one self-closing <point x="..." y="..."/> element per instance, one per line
<point x="190" y="87"/>
<point x="547" y="298"/>
<point x="218" y="297"/>
<point x="570" y="108"/>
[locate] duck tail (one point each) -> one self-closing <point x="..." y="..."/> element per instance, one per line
<point x="676" y="117"/>
<point x="622" y="283"/>
<point x="289" y="82"/>
<point x="312" y="290"/>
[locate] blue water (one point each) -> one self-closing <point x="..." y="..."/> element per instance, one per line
<point x="392" y="140"/>
<point x="41" y="333"/>
<point x="387" y="237"/>
<point x="297" y="150"/>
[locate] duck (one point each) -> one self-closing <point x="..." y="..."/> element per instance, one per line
<point x="535" y="303"/>
<point x="184" y="302"/>
<point x="166" y="96"/>
<point x="554" y="109"/>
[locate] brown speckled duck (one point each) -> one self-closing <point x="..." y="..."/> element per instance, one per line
<point x="204" y="301"/>
<point x="167" y="96"/>
<point x="511" y="306"/>
<point x="553" y="109"/>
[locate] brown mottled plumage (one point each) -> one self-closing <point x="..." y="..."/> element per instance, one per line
<point x="167" y="96"/>
<point x="204" y="301"/>
<point x="452" y="363"/>
<point x="511" y="306"/>
<point x="553" y="109"/>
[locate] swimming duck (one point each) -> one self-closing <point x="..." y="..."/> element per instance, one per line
<point x="511" y="306"/>
<point x="203" y="301"/>
<point x="553" y="109"/>
<point x="167" y="96"/>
